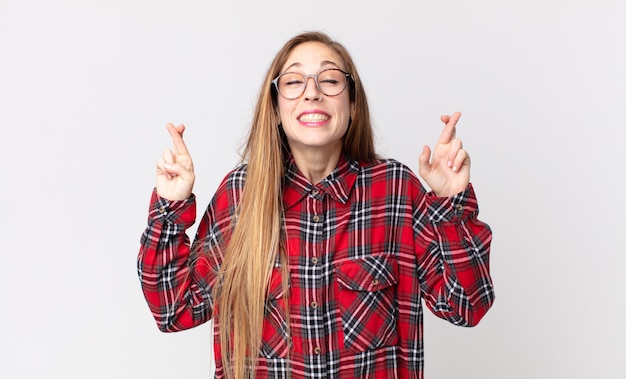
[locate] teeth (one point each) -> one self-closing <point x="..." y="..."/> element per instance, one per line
<point x="313" y="117"/>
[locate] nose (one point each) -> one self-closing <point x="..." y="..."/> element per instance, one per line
<point x="311" y="92"/>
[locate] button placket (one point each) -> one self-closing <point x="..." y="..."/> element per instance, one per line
<point x="312" y="298"/>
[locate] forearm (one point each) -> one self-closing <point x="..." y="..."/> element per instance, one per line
<point x="163" y="266"/>
<point x="456" y="278"/>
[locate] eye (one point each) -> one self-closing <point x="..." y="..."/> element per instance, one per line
<point x="330" y="78"/>
<point x="329" y="81"/>
<point x="293" y="82"/>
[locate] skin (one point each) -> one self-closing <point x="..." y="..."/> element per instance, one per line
<point x="447" y="171"/>
<point x="316" y="146"/>
<point x="175" y="173"/>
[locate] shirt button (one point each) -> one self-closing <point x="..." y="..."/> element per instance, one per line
<point x="317" y="351"/>
<point x="459" y="207"/>
<point x="314" y="260"/>
<point x="375" y="282"/>
<point x="315" y="191"/>
<point x="314" y="304"/>
<point x="316" y="218"/>
<point x="161" y="209"/>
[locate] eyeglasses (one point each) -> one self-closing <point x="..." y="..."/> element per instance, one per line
<point x="330" y="82"/>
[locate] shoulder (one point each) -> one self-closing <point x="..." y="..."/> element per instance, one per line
<point x="230" y="188"/>
<point x="236" y="178"/>
<point x="392" y="174"/>
<point x="387" y="166"/>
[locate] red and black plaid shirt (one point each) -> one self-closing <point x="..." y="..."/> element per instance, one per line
<point x="366" y="246"/>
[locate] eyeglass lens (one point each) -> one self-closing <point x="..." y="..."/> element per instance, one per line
<point x="330" y="82"/>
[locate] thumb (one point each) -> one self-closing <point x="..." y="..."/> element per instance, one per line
<point x="424" y="161"/>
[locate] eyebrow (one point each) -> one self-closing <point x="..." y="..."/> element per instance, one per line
<point x="322" y="64"/>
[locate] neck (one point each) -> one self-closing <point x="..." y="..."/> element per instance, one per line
<point x="316" y="164"/>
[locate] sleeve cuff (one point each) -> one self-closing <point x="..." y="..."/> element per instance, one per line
<point x="181" y="212"/>
<point x="459" y="207"/>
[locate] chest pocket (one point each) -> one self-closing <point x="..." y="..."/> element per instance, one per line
<point x="366" y="297"/>
<point x="275" y="342"/>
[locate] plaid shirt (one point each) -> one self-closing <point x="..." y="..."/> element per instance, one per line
<point x="367" y="246"/>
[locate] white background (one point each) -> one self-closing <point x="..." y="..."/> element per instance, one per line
<point x="86" y="88"/>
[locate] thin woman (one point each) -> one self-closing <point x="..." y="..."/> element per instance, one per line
<point x="315" y="255"/>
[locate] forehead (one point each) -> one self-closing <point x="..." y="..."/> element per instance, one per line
<point x="312" y="55"/>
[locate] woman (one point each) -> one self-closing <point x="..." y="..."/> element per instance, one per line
<point x="315" y="255"/>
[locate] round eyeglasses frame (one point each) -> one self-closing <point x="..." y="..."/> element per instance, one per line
<point x="306" y="82"/>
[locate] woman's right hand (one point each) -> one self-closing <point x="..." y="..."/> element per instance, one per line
<point x="175" y="176"/>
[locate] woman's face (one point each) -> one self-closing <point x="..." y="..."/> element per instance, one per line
<point x="314" y="122"/>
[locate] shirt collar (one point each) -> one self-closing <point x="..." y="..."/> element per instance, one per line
<point x="337" y="184"/>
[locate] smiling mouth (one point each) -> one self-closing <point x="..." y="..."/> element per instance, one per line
<point x="313" y="117"/>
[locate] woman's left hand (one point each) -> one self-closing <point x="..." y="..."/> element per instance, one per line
<point x="447" y="172"/>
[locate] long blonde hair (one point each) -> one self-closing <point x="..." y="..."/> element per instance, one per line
<point x="255" y="243"/>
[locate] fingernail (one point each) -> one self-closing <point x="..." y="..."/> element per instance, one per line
<point x="167" y="165"/>
<point x="449" y="163"/>
<point x="454" y="168"/>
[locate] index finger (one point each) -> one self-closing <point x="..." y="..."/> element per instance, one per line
<point x="449" y="131"/>
<point x="176" y="132"/>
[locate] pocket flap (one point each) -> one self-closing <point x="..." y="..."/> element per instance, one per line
<point x="367" y="274"/>
<point x="275" y="289"/>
